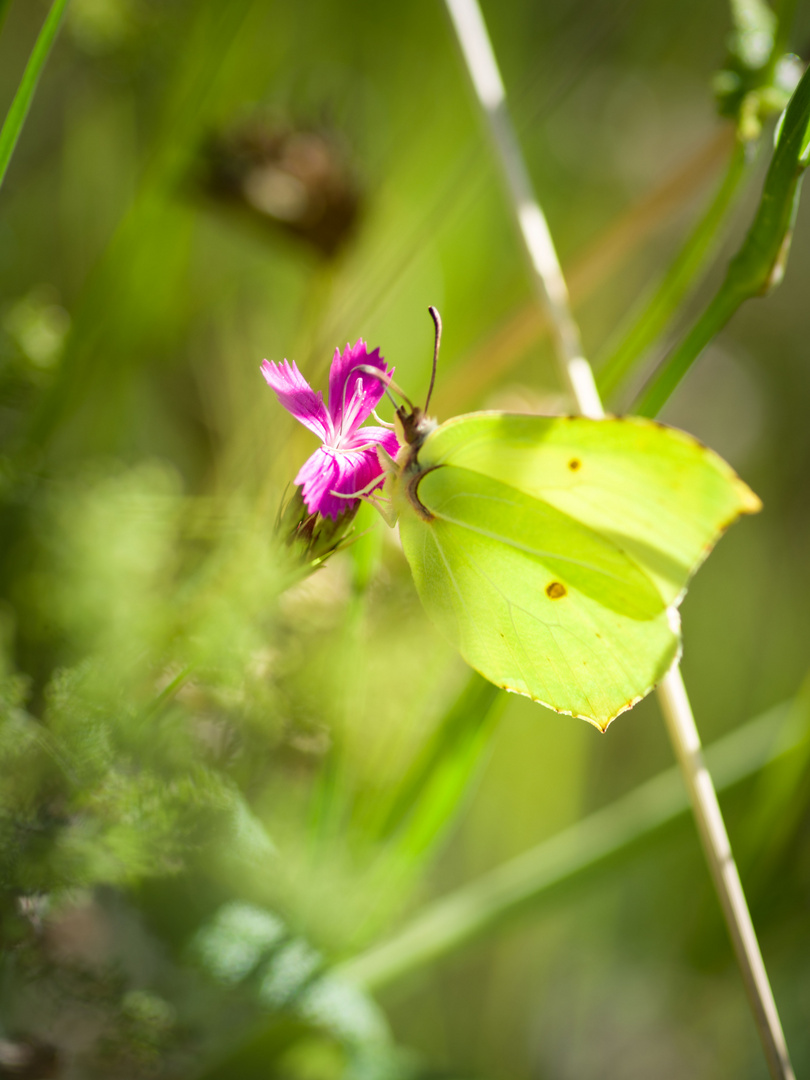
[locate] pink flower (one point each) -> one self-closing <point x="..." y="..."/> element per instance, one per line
<point x="346" y="464"/>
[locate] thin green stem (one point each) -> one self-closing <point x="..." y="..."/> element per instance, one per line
<point x="16" y="115"/>
<point x="711" y="322"/>
<point x="612" y="832"/>
<point x="687" y="268"/>
<point x="709" y="818"/>
<point x="759" y="264"/>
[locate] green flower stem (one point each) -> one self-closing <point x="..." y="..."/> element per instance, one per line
<point x="711" y="322"/>
<point x="13" y="124"/>
<point x="687" y="267"/>
<point x="759" y="265"/>
<point x="610" y="833"/>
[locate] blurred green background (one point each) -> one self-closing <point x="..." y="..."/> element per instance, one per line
<point x="214" y="787"/>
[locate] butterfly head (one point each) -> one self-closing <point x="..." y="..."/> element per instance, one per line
<point x="413" y="426"/>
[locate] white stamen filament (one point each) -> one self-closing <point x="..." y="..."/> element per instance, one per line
<point x="381" y="422"/>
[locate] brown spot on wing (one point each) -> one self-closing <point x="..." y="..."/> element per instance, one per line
<point x="555" y="590"/>
<point x="574" y="464"/>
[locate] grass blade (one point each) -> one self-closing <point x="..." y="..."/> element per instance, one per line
<point x="759" y="265"/>
<point x="493" y="899"/>
<point x="430" y="794"/>
<point x="684" y="272"/>
<point x="501" y="350"/>
<point x="18" y="111"/>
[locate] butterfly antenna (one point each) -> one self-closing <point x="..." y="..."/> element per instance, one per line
<point x="437" y="322"/>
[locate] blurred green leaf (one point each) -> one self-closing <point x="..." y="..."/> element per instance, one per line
<point x="260" y="1056"/>
<point x="494" y="898"/>
<point x="247" y="945"/>
<point x="756" y="84"/>
<point x="429" y="795"/>
<point x="778" y="806"/>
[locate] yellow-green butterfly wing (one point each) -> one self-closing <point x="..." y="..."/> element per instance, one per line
<point x="552" y="551"/>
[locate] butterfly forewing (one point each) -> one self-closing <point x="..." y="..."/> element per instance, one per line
<point x="656" y="493"/>
<point x="481" y="507"/>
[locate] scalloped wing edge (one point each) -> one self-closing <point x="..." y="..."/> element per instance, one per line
<point x="675" y="625"/>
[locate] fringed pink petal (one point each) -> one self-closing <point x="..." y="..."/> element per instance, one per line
<point x="346" y="472"/>
<point x="353" y="394"/>
<point x="317" y="476"/>
<point x="298" y="397"/>
<point x="377" y="435"/>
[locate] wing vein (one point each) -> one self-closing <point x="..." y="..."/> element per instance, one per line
<point x="539" y="554"/>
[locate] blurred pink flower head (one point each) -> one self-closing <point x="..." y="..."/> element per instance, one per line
<point x="346" y="463"/>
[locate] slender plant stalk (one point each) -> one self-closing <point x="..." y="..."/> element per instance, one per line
<point x="662" y="385"/>
<point x="684" y="734"/>
<point x="679" y="278"/>
<point x="760" y="262"/>
<point x="546" y="273"/>
<point x="483" y="69"/>
<point x="500" y="351"/>
<point x="15" y="118"/>
<point x="599" y="839"/>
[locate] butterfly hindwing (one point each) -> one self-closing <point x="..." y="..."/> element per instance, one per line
<point x="533" y="600"/>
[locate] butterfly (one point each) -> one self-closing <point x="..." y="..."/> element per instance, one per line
<point x="553" y="551"/>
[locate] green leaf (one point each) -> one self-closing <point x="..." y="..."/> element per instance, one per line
<point x="15" y="118"/>
<point x="282" y="974"/>
<point x="779" y="801"/>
